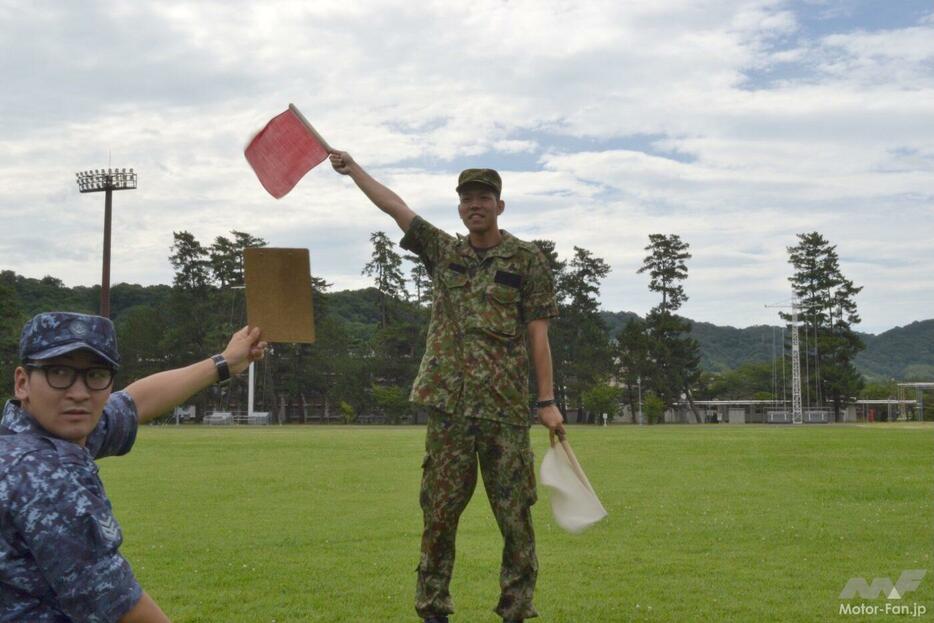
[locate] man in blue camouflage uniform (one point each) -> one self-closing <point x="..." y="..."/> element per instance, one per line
<point x="59" y="540"/>
<point x="492" y="296"/>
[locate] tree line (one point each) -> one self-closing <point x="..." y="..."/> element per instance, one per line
<point x="369" y="342"/>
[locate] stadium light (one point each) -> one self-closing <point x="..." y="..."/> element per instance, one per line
<point x="95" y="181"/>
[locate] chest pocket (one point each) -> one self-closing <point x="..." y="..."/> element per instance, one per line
<point x="454" y="278"/>
<point x="451" y="293"/>
<point x="502" y="315"/>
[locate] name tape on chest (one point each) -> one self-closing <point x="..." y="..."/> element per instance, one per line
<point x="513" y="280"/>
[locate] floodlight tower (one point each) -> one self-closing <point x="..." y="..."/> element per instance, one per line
<point x="106" y="181"/>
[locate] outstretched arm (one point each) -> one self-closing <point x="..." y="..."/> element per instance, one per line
<point x="549" y="416"/>
<point x="145" y="611"/>
<point x="384" y="199"/>
<point x="157" y="393"/>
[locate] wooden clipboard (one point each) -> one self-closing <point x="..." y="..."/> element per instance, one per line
<point x="278" y="294"/>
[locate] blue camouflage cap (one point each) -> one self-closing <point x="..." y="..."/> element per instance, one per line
<point x="52" y="334"/>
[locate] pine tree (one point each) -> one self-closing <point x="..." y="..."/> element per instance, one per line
<point x="633" y="350"/>
<point x="189" y="321"/>
<point x="581" y="345"/>
<point x="190" y="261"/>
<point x="385" y="266"/>
<point x="828" y="311"/>
<point x="666" y="267"/>
<point x="675" y="356"/>
<point x="226" y="257"/>
<point x="547" y="247"/>
<point x="421" y="280"/>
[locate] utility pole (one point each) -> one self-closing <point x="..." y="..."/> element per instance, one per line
<point x="251" y="376"/>
<point x="95" y="181"/>
<point x="641" y="421"/>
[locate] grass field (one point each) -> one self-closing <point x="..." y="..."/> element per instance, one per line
<point x="707" y="523"/>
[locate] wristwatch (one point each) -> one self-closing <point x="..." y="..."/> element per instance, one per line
<point x="544" y="403"/>
<point x="223" y="370"/>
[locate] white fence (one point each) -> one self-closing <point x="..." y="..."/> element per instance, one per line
<point x="809" y="416"/>
<point x="227" y="418"/>
<point x="218" y="418"/>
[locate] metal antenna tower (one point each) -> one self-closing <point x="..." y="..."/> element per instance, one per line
<point x="797" y="412"/>
<point x="797" y="415"/>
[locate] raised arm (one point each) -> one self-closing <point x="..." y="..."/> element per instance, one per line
<point x="157" y="393"/>
<point x="384" y="199"/>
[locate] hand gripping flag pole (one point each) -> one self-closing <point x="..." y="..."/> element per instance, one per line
<point x="284" y="151"/>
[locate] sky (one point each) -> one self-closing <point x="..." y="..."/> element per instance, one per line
<point x="735" y="124"/>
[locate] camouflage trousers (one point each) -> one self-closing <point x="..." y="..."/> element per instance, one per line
<point x="454" y="446"/>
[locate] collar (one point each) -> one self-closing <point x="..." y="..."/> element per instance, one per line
<point x="18" y="420"/>
<point x="506" y="248"/>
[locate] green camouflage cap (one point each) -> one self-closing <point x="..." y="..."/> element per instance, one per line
<point x="487" y="177"/>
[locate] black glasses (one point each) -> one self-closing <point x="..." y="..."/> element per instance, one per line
<point x="61" y="376"/>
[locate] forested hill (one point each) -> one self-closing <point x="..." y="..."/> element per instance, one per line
<point x="900" y="353"/>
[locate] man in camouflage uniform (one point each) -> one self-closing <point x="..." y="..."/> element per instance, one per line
<point x="493" y="294"/>
<point x="59" y="540"/>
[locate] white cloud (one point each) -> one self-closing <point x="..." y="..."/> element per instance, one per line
<point x="613" y="120"/>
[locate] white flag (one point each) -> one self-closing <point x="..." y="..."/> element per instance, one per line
<point x="573" y="501"/>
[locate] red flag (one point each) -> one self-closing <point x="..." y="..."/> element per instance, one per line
<point x="284" y="151"/>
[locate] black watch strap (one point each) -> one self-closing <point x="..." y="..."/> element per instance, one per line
<point x="545" y="403"/>
<point x="223" y="370"/>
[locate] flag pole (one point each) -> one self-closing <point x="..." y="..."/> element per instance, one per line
<point x="311" y="128"/>
<point x="572" y="459"/>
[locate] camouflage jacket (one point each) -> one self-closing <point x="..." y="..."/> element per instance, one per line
<point x="59" y="540"/>
<point x="476" y="359"/>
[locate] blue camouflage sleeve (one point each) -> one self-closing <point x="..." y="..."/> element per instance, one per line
<point x="115" y="434"/>
<point x="74" y="539"/>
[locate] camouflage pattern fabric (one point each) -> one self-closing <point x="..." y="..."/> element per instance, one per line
<point x="114" y="434"/>
<point x="487" y="177"/>
<point x="59" y="540"/>
<point x="476" y="362"/>
<point x="454" y="446"/>
<point x="51" y="334"/>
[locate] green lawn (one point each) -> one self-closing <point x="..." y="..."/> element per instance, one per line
<point x="706" y="523"/>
